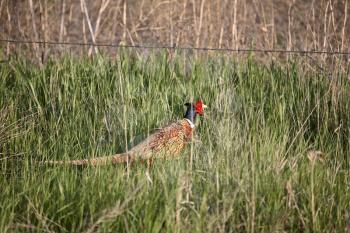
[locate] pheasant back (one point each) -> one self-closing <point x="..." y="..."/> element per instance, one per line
<point x="166" y="142"/>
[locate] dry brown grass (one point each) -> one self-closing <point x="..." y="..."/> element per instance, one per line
<point x="284" y="24"/>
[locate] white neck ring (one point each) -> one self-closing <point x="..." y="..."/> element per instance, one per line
<point x="191" y="123"/>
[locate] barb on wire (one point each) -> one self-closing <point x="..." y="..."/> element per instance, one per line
<point x="239" y="50"/>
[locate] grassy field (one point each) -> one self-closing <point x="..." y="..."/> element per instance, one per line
<point x="255" y="164"/>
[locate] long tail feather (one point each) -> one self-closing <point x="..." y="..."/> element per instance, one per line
<point x="113" y="159"/>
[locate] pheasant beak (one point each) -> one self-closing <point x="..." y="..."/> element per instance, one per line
<point x="204" y="106"/>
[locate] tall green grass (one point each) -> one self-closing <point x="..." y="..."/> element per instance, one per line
<point x="256" y="163"/>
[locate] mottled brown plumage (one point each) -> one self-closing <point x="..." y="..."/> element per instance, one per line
<point x="166" y="142"/>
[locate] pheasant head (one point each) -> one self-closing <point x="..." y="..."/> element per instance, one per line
<point x="193" y="110"/>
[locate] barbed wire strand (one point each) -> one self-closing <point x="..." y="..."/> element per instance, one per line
<point x="239" y="50"/>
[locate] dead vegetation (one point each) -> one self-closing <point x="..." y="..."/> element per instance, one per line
<point x="268" y="24"/>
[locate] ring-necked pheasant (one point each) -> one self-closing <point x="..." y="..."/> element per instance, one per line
<point x="165" y="142"/>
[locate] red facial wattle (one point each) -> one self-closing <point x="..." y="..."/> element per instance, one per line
<point x="199" y="106"/>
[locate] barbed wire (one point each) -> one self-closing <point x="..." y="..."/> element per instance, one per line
<point x="238" y="50"/>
